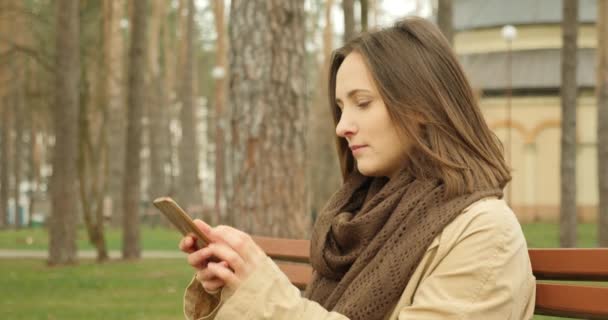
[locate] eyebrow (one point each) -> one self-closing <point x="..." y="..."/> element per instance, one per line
<point x="352" y="93"/>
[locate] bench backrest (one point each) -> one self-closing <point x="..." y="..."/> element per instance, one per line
<point x="555" y="270"/>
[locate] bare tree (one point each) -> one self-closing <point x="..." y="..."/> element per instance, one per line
<point x="5" y="159"/>
<point x="364" y="14"/>
<point x="348" y="7"/>
<point x="267" y="150"/>
<point x="324" y="170"/>
<point x="92" y="164"/>
<point x="9" y="100"/>
<point x="158" y="125"/>
<point x="64" y="192"/>
<point x="602" y="119"/>
<point x="5" y="121"/>
<point x="135" y="103"/>
<point x="569" y="92"/>
<point x="220" y="102"/>
<point x="189" y="187"/>
<point x="34" y="160"/>
<point x="444" y="19"/>
<point x="19" y="106"/>
<point x="113" y="51"/>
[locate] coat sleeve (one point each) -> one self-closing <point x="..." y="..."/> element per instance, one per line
<point x="484" y="273"/>
<point x="200" y="305"/>
<point x="266" y="294"/>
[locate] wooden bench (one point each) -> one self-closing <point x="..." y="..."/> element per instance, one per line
<point x="555" y="269"/>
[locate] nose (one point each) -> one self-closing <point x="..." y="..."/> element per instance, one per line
<point x="345" y="127"/>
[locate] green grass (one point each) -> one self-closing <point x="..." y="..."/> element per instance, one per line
<point x="159" y="238"/>
<point x="546" y="235"/>
<point x="538" y="235"/>
<point x="147" y="289"/>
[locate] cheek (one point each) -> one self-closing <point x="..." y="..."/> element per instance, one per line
<point x="377" y="162"/>
<point x="395" y="151"/>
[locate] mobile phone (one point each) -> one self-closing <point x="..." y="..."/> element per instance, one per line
<point x="181" y="220"/>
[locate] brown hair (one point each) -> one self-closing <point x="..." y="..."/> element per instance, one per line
<point x="430" y="100"/>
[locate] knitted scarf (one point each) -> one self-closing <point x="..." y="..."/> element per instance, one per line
<point x="370" y="237"/>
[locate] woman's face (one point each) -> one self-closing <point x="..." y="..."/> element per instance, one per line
<point x="365" y="123"/>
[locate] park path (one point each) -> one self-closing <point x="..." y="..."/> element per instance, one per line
<point x="89" y="254"/>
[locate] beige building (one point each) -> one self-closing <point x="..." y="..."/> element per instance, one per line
<point x="530" y="127"/>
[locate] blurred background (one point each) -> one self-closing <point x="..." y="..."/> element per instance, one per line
<point x="222" y="105"/>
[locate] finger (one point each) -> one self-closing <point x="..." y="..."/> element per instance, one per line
<point x="213" y="285"/>
<point x="224" y="274"/>
<point x="206" y="275"/>
<point x="229" y="255"/>
<point x="187" y="244"/>
<point x="205" y="228"/>
<point x="200" y="258"/>
<point x="240" y="241"/>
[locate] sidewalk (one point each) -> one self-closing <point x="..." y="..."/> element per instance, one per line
<point x="88" y="254"/>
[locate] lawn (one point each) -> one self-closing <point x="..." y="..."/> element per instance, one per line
<point x="538" y="235"/>
<point x="546" y="235"/>
<point x="147" y="289"/>
<point x="159" y="238"/>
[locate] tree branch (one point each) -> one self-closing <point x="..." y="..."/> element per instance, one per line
<point x="30" y="52"/>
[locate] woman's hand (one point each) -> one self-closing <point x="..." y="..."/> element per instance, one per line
<point x="187" y="244"/>
<point x="238" y="253"/>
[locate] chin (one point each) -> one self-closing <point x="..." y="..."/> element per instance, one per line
<point x="369" y="172"/>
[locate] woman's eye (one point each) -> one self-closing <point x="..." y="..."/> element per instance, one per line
<point x="363" y="104"/>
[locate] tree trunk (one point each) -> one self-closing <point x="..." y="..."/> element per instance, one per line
<point x="444" y="19"/>
<point x="19" y="128"/>
<point x="113" y="55"/>
<point x="349" y="19"/>
<point x="5" y="160"/>
<point x="189" y="187"/>
<point x="373" y="11"/>
<point x="602" y="119"/>
<point x="267" y="150"/>
<point x="220" y="102"/>
<point x="91" y="174"/>
<point x="171" y="62"/>
<point x="324" y="170"/>
<point x="569" y="93"/>
<point x="92" y="160"/>
<point x="131" y="195"/>
<point x="157" y="129"/>
<point x="35" y="161"/>
<point x="5" y="131"/>
<point x="364" y="14"/>
<point x="64" y="193"/>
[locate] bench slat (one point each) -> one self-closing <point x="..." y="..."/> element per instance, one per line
<point x="571" y="301"/>
<point x="570" y="264"/>
<point x="285" y="249"/>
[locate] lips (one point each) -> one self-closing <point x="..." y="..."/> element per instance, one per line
<point x="356" y="149"/>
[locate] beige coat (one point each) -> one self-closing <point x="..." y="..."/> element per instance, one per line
<point x="477" y="268"/>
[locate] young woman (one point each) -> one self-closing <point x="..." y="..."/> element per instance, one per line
<point x="418" y="230"/>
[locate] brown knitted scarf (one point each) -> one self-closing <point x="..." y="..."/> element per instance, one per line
<point x="370" y="237"/>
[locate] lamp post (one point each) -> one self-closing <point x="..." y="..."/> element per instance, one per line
<point x="509" y="33"/>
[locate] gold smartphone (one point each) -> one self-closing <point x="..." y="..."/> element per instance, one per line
<point x="181" y="220"/>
